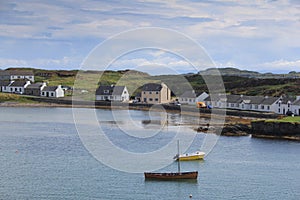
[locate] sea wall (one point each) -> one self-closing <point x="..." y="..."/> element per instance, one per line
<point x="284" y="130"/>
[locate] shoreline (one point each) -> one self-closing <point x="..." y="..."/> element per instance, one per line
<point x="233" y="126"/>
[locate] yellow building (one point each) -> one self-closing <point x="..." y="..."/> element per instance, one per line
<point x="154" y="93"/>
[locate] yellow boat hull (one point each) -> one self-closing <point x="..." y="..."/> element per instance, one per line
<point x="192" y="156"/>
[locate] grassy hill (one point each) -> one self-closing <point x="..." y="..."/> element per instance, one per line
<point x="89" y="80"/>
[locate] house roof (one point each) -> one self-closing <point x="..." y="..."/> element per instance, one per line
<point x="35" y="86"/>
<point x="110" y="90"/>
<point x="189" y="94"/>
<point x="269" y="100"/>
<point x="18" y="83"/>
<point x="17" y="72"/>
<point x="50" y="88"/>
<point x="21" y="72"/>
<point x="4" y="83"/>
<point x="285" y="100"/>
<point x="297" y="102"/>
<point x="152" y="87"/>
<point x="245" y="99"/>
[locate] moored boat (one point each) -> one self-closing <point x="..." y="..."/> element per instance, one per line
<point x="198" y="155"/>
<point x="171" y="175"/>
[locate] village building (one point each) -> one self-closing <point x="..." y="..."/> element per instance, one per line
<point x="52" y="91"/>
<point x="296" y="106"/>
<point x="190" y="97"/>
<point x="17" y="74"/>
<point x="243" y="102"/>
<point x="154" y="93"/>
<point x="34" y="89"/>
<point x="17" y="86"/>
<point x="112" y="93"/>
<point x="3" y="85"/>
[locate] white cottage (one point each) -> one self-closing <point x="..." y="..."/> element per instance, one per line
<point x="53" y="91"/>
<point x="112" y="93"/>
<point x="17" y="86"/>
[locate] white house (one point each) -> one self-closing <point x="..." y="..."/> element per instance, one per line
<point x="188" y="97"/>
<point x="53" y="91"/>
<point x="243" y="102"/>
<point x="4" y="86"/>
<point x="16" y="75"/>
<point x="112" y="93"/>
<point x="296" y="106"/>
<point x="17" y="86"/>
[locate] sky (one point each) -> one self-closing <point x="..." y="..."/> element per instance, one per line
<point x="258" y="35"/>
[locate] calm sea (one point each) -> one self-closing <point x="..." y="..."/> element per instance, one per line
<point x="42" y="157"/>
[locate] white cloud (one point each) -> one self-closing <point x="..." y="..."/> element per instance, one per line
<point x="239" y="32"/>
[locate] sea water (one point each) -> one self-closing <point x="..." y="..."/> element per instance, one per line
<point x="42" y="157"/>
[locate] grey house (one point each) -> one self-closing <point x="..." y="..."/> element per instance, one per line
<point x="34" y="89"/>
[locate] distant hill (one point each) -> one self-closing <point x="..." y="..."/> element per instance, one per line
<point x="230" y="71"/>
<point x="235" y="81"/>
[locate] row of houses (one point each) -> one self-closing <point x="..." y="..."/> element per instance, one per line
<point x="28" y="88"/>
<point x="280" y="105"/>
<point x="154" y="93"/>
<point x="10" y="75"/>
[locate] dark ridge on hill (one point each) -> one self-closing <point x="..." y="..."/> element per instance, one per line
<point x="230" y="71"/>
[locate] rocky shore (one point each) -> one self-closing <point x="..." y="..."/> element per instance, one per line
<point x="228" y="129"/>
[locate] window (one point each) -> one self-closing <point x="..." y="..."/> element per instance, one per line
<point x="156" y="92"/>
<point x="52" y="94"/>
<point x="150" y="99"/>
<point x="106" y="91"/>
<point x="43" y="93"/>
<point x="150" y="92"/>
<point x="11" y="89"/>
<point x="268" y="108"/>
<point x="256" y="106"/>
<point x="278" y="110"/>
<point x="262" y="107"/>
<point x="144" y="92"/>
<point x="156" y="99"/>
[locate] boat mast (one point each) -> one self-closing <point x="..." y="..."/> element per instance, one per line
<point x="178" y="156"/>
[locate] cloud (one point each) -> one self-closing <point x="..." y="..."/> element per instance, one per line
<point x="246" y="33"/>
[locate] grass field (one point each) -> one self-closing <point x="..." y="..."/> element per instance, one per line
<point x="287" y="119"/>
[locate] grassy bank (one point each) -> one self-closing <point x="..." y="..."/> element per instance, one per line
<point x="286" y="119"/>
<point x="5" y="97"/>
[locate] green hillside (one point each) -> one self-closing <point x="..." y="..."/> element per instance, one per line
<point x="89" y="80"/>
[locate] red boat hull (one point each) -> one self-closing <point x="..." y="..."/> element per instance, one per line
<point x="171" y="176"/>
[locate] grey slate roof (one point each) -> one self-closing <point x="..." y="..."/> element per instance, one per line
<point x="297" y="102"/>
<point x="269" y="100"/>
<point x="152" y="87"/>
<point x="50" y="88"/>
<point x="17" y="72"/>
<point x="188" y="94"/>
<point x="246" y="99"/>
<point x="18" y="83"/>
<point x="4" y="83"/>
<point x="110" y="90"/>
<point x="35" y="86"/>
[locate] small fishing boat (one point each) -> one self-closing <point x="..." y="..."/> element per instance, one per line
<point x="172" y="175"/>
<point x="198" y="155"/>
